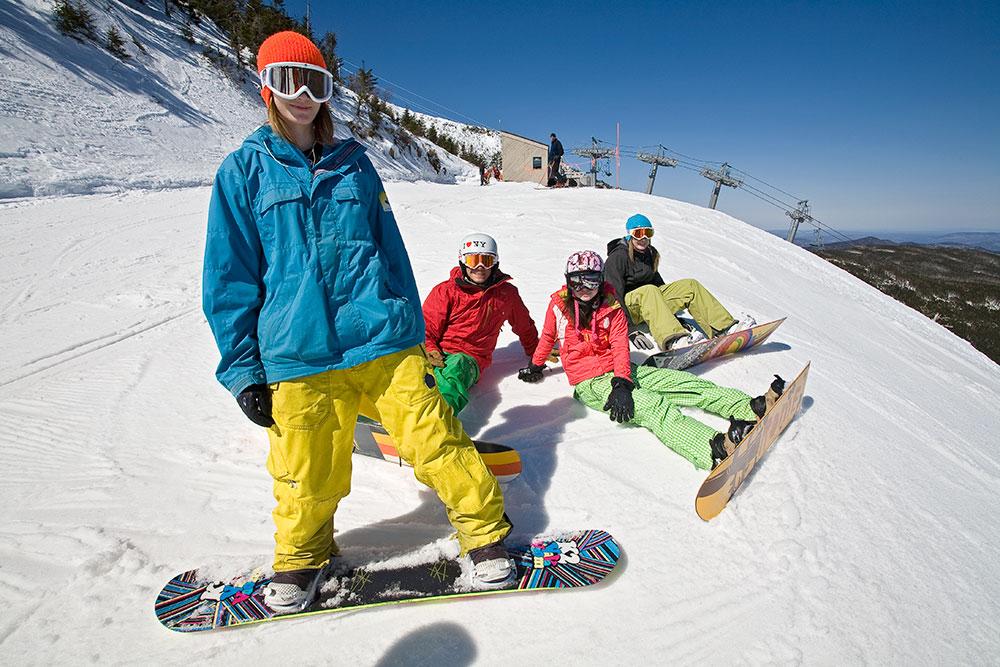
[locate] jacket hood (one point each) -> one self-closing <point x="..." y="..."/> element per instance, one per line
<point x="498" y="278"/>
<point x="265" y="140"/>
<point x="615" y="244"/>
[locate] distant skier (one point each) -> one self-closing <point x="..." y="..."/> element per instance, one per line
<point x="555" y="157"/>
<point x="586" y="319"/>
<point x="463" y="317"/>
<point x="632" y="270"/>
<point x="309" y="292"/>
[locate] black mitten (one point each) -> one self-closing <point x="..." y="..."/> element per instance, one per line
<point x="255" y="401"/>
<point x="620" y="405"/>
<point x="531" y="373"/>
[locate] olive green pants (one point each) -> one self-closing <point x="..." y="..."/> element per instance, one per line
<point x="657" y="307"/>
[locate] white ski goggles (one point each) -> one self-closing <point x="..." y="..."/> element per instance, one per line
<point x="289" y="80"/>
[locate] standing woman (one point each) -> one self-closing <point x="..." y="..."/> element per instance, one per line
<point x="309" y="292"/>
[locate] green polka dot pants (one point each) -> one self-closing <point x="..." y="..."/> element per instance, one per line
<point x="658" y="395"/>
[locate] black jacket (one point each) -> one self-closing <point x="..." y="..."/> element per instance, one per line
<point x="626" y="274"/>
<point x="555" y="149"/>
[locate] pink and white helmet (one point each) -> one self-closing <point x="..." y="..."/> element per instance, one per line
<point x="584" y="261"/>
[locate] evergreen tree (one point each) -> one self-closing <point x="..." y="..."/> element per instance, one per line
<point x="74" y="20"/>
<point x="115" y="43"/>
<point x="362" y="82"/>
<point x="328" y="47"/>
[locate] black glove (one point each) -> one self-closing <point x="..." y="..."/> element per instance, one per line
<point x="620" y="405"/>
<point x="255" y="401"/>
<point x="640" y="340"/>
<point x="531" y="373"/>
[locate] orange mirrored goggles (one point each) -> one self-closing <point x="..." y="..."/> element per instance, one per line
<point x="475" y="260"/>
<point x="642" y="233"/>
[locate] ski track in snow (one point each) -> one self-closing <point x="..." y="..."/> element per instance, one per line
<point x="861" y="537"/>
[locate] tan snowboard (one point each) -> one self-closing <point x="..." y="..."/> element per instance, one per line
<point x="723" y="482"/>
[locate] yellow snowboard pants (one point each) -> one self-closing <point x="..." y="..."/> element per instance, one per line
<point x="313" y="438"/>
<point x="657" y="305"/>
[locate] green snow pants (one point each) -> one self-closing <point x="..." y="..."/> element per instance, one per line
<point x="460" y="372"/>
<point x="658" y="395"/>
<point x="657" y="305"/>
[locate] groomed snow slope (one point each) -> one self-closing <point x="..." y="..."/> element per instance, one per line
<point x="868" y="534"/>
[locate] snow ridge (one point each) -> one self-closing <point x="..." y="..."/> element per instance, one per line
<point x="77" y="120"/>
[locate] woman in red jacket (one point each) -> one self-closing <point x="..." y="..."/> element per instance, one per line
<point x="464" y="314"/>
<point x="590" y="326"/>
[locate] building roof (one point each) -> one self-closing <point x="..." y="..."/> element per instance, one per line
<point x="518" y="136"/>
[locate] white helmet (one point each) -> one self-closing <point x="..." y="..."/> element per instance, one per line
<point x="480" y="244"/>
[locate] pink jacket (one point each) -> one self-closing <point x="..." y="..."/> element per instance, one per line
<point x="594" y="351"/>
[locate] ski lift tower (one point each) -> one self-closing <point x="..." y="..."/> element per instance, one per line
<point x="798" y="216"/>
<point x="656" y="161"/>
<point x="595" y="153"/>
<point x="721" y="177"/>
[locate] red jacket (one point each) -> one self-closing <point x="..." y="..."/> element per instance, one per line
<point x="463" y="317"/>
<point x="594" y="351"/>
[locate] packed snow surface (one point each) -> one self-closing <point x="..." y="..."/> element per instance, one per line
<point x="867" y="535"/>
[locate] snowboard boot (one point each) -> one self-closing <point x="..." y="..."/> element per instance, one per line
<point x="724" y="444"/>
<point x="742" y="323"/>
<point x="492" y="567"/>
<point x="761" y="404"/>
<point x="682" y="340"/>
<point x="291" y="592"/>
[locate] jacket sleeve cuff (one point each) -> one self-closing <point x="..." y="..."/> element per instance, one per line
<point x="244" y="381"/>
<point x="620" y="381"/>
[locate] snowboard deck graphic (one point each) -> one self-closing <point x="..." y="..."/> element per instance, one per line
<point x="723" y="482"/>
<point x="371" y="439"/>
<point x="191" y="602"/>
<point x="720" y="346"/>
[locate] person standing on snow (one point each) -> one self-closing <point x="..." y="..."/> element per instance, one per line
<point x="555" y="157"/>
<point x="463" y="316"/>
<point x="312" y="301"/>
<point x="632" y="270"/>
<point x="590" y="326"/>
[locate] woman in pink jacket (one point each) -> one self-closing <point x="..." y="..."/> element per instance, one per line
<point x="586" y="319"/>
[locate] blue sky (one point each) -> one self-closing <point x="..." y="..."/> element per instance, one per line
<point x="885" y="116"/>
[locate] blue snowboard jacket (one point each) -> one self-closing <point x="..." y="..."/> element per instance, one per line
<point x="305" y="269"/>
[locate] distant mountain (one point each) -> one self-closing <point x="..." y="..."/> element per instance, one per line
<point x="956" y="286"/>
<point x="866" y="241"/>
<point x="989" y="241"/>
<point x="985" y="240"/>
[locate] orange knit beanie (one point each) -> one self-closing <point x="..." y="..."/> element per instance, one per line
<point x="287" y="47"/>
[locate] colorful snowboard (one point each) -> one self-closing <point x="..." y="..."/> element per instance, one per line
<point x="371" y="439"/>
<point x="719" y="346"/>
<point x="723" y="482"/>
<point x="192" y="603"/>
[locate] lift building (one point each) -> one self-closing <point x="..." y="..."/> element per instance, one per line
<point x="524" y="160"/>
